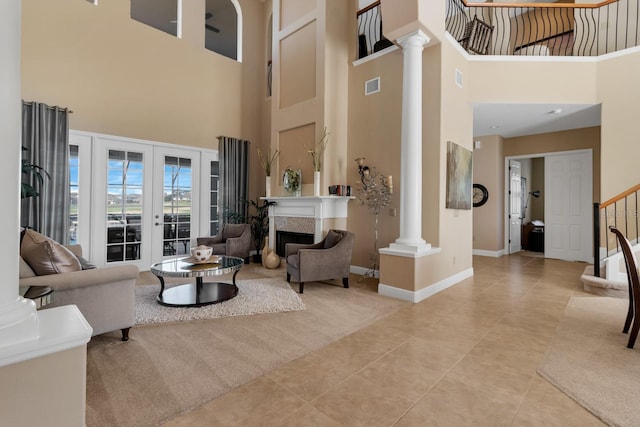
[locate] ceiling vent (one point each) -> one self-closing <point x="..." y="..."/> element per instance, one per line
<point x="372" y="86"/>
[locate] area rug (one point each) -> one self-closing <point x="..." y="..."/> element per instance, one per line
<point x="256" y="296"/>
<point x="166" y="369"/>
<point x="588" y="360"/>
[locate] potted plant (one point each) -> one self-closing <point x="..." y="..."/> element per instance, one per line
<point x="30" y="171"/>
<point x="259" y="222"/>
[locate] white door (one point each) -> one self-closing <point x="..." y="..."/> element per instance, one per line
<point x="567" y="209"/>
<point x="121" y="203"/>
<point x="515" y="207"/>
<point x="176" y="202"/>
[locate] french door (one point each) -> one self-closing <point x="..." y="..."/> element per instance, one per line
<point x="141" y="202"/>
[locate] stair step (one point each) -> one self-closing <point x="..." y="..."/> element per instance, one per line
<point x="603" y="287"/>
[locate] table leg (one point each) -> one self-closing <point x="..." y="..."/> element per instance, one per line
<point x="233" y="279"/>
<point x="198" y="288"/>
<point x="161" y="286"/>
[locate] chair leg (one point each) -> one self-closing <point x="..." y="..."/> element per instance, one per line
<point x="345" y="282"/>
<point x="288" y="278"/>
<point x="301" y="287"/>
<point x="630" y="315"/>
<point x="125" y="334"/>
<point x="634" y="333"/>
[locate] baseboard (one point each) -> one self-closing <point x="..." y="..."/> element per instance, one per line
<point x="493" y="254"/>
<point x="426" y="292"/>
<point x="362" y="271"/>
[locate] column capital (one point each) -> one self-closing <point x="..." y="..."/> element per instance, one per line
<point x="414" y="39"/>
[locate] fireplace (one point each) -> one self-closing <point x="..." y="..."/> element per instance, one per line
<point x="284" y="237"/>
<point x="304" y="219"/>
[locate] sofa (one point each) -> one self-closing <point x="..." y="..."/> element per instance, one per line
<point x="105" y="296"/>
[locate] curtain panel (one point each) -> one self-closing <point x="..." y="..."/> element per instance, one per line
<point x="234" y="178"/>
<point x="45" y="135"/>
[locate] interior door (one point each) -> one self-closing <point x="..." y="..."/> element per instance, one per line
<point x="176" y="212"/>
<point x="515" y="207"/>
<point x="568" y="201"/>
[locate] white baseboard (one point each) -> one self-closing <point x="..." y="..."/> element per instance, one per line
<point x="493" y="254"/>
<point x="362" y="271"/>
<point x="426" y="292"/>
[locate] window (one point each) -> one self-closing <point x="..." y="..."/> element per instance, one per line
<point x="163" y="15"/>
<point x="214" y="214"/>
<point x="74" y="169"/>
<point x="223" y="28"/>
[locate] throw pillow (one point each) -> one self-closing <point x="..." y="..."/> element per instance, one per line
<point x="46" y="256"/>
<point x="85" y="264"/>
<point x="332" y="239"/>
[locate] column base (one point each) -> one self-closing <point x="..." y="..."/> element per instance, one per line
<point x="18" y="322"/>
<point x="413" y="249"/>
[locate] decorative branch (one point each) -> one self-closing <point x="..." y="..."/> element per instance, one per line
<point x="318" y="151"/>
<point x="267" y="162"/>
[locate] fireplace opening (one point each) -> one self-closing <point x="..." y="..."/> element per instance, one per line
<point x="284" y="237"/>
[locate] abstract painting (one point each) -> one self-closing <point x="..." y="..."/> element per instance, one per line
<point x="459" y="177"/>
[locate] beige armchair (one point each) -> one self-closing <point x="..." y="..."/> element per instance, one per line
<point x="104" y="296"/>
<point x="325" y="260"/>
<point x="232" y="240"/>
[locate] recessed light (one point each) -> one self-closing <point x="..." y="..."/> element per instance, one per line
<point x="494" y="126"/>
<point x="556" y="111"/>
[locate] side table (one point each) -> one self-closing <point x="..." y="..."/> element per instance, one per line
<point x="41" y="295"/>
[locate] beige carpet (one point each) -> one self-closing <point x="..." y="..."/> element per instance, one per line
<point x="167" y="369"/>
<point x="255" y="296"/>
<point x="589" y="361"/>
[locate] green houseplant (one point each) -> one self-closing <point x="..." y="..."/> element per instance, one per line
<point x="259" y="221"/>
<point x="31" y="173"/>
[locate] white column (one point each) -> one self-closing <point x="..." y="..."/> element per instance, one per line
<point x="18" y="318"/>
<point x="410" y="239"/>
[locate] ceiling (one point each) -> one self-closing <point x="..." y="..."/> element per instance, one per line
<point x="511" y="120"/>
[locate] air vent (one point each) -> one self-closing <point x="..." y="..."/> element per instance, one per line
<point x="372" y="86"/>
<point x="458" y="77"/>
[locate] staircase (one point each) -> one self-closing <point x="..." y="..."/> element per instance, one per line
<point x="608" y="276"/>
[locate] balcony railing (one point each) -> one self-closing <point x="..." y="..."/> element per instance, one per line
<point x="557" y="29"/>
<point x="370" y="38"/>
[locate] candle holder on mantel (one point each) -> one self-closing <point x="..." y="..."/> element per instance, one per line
<point x="373" y="191"/>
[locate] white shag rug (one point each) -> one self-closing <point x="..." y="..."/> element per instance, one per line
<point x="256" y="296"/>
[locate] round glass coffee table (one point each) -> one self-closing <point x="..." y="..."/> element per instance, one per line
<point x="199" y="293"/>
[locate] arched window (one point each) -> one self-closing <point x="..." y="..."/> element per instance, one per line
<point x="223" y="28"/>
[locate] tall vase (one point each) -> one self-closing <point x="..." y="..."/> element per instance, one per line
<point x="265" y="251"/>
<point x="267" y="184"/>
<point x="316" y="183"/>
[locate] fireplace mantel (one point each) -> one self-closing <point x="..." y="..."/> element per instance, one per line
<point x="310" y="209"/>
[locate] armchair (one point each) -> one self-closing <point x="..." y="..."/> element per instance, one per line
<point x="232" y="240"/>
<point x="325" y="260"/>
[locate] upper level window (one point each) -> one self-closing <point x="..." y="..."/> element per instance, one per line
<point x="160" y="14"/>
<point x="223" y="28"/>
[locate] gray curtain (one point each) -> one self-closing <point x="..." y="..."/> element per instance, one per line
<point x="45" y="135"/>
<point x="234" y="177"/>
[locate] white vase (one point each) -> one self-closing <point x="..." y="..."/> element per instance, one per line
<point x="316" y="183"/>
<point x="267" y="185"/>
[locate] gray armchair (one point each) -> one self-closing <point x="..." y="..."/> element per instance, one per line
<point x="325" y="260"/>
<point x="232" y="240"/>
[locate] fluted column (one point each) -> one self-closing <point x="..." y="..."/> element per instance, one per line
<point x="410" y="239"/>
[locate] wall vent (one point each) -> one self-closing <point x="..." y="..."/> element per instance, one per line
<point x="459" y="77"/>
<point x="372" y="86"/>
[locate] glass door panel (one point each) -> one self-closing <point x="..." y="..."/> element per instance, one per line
<point x="178" y="207"/>
<point x="124" y="205"/>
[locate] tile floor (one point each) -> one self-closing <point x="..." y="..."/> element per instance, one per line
<point x="467" y="356"/>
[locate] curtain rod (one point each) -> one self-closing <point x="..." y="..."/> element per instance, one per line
<point x="49" y="106"/>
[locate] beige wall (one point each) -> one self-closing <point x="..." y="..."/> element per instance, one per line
<point x="488" y="170"/>
<point x="125" y="78"/>
<point x="619" y="92"/>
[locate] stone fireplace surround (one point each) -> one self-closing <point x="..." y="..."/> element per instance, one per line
<point x="305" y="214"/>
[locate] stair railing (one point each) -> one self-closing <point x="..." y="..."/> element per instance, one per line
<point x="621" y="212"/>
